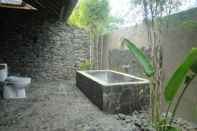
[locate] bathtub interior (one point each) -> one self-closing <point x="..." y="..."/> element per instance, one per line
<point x="112" y="77"/>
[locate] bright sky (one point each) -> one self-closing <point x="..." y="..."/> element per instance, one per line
<point x="122" y="8"/>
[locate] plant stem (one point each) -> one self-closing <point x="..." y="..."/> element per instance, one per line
<point x="154" y="98"/>
<point x="168" y="110"/>
<point x="151" y="99"/>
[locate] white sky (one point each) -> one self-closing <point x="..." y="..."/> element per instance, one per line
<point x="122" y="8"/>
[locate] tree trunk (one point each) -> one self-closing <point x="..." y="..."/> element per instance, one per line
<point x="101" y="56"/>
<point x="97" y="52"/>
<point x="91" y="44"/>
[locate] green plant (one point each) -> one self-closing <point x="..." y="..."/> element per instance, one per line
<point x="93" y="16"/>
<point x="149" y="70"/>
<point x="185" y="73"/>
<point x="86" y="65"/>
<point x="153" y="11"/>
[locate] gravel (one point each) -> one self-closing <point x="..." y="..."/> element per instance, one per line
<point x="60" y="106"/>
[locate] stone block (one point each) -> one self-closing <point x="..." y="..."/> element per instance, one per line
<point x="125" y="98"/>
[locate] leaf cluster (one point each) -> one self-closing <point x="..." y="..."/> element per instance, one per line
<point x="93" y="15"/>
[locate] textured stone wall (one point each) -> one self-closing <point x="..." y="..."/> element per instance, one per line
<point x="122" y="60"/>
<point x="42" y="49"/>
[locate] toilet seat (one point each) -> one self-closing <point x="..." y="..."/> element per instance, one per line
<point x="18" y="82"/>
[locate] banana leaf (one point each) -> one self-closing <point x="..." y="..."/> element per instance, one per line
<point x="176" y="80"/>
<point x="141" y="57"/>
<point x="194" y="67"/>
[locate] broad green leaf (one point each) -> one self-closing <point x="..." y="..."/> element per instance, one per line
<point x="194" y="67"/>
<point x="141" y="57"/>
<point x="179" y="75"/>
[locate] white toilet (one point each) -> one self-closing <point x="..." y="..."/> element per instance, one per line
<point x="15" y="87"/>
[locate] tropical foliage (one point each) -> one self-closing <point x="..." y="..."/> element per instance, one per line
<point x="184" y="74"/>
<point x="143" y="59"/>
<point x="93" y="15"/>
<point x="153" y="12"/>
<point x="180" y="75"/>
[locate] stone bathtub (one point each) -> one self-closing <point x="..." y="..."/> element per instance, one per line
<point x="114" y="92"/>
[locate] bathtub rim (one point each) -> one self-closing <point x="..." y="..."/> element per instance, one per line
<point x="140" y="80"/>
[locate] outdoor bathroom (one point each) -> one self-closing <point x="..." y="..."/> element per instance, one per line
<point x="98" y="65"/>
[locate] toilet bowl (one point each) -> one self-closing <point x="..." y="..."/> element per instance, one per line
<point x="15" y="87"/>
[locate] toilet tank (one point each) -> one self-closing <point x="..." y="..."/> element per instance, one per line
<point x="13" y="2"/>
<point x="3" y="72"/>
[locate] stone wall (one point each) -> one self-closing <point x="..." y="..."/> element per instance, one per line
<point x="41" y="48"/>
<point x="122" y="60"/>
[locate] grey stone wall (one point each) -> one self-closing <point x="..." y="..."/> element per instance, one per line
<point x="45" y="49"/>
<point x="122" y="60"/>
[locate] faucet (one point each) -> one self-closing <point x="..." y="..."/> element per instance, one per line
<point x="126" y="68"/>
